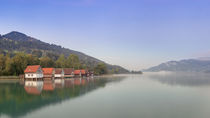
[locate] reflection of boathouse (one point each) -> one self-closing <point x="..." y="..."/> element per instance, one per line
<point x="48" y="86"/>
<point x="69" y="83"/>
<point x="83" y="81"/>
<point x="77" y="81"/>
<point x="59" y="83"/>
<point x="33" y="87"/>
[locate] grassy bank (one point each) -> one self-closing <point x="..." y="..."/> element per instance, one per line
<point x="9" y="77"/>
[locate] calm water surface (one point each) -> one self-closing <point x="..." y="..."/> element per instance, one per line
<point x="160" y="95"/>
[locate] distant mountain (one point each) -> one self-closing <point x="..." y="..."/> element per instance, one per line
<point x="204" y="58"/>
<point x="190" y="65"/>
<point x="16" y="41"/>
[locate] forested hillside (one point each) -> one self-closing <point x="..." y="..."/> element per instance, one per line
<point x="15" y="42"/>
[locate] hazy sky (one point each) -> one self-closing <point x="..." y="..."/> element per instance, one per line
<point x="135" y="34"/>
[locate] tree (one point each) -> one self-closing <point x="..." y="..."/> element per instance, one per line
<point x="32" y="59"/>
<point x="73" y="61"/>
<point x="100" y="69"/>
<point x="60" y="63"/>
<point x="37" y="53"/>
<point x="52" y="56"/>
<point x="46" y="62"/>
<point x="19" y="63"/>
<point x="9" y="70"/>
<point x="2" y="63"/>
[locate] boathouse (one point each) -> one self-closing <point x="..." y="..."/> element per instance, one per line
<point x="33" y="72"/>
<point x="68" y="72"/>
<point x="48" y="73"/>
<point x="77" y="73"/>
<point x="59" y="73"/>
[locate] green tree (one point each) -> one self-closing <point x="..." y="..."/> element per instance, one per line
<point x="37" y="53"/>
<point x="73" y="61"/>
<point x="2" y="63"/>
<point x="19" y="63"/>
<point x="9" y="70"/>
<point x="61" y="62"/>
<point x="46" y="62"/>
<point x="100" y="69"/>
<point x="32" y="59"/>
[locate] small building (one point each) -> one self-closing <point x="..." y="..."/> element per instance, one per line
<point x="68" y="72"/>
<point x="77" y="73"/>
<point x="33" y="72"/>
<point x="83" y="72"/>
<point x="48" y="73"/>
<point x="59" y="73"/>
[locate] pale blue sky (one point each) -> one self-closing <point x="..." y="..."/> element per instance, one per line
<point x="135" y="34"/>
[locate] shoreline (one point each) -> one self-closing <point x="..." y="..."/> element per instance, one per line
<point x="17" y="78"/>
<point x="9" y="78"/>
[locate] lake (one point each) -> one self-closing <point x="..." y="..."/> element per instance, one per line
<point x="151" y="95"/>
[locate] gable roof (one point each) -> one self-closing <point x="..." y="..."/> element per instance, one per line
<point x="83" y="71"/>
<point x="47" y="71"/>
<point x="32" y="69"/>
<point x="68" y="71"/>
<point x="58" y="70"/>
<point x="77" y="72"/>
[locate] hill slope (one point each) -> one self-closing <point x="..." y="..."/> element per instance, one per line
<point x="190" y="65"/>
<point x="16" y="41"/>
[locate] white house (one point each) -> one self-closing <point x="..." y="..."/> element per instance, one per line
<point x="33" y="72"/>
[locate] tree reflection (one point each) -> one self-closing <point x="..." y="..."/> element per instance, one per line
<point x="18" y="99"/>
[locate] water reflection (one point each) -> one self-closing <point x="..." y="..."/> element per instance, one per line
<point x="182" y="79"/>
<point x="19" y="99"/>
<point x="33" y="87"/>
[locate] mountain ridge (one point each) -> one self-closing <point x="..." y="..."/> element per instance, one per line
<point x="186" y="65"/>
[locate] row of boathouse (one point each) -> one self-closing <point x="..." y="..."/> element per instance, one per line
<point x="37" y="72"/>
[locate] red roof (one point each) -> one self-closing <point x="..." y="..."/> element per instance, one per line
<point x="83" y="71"/>
<point x="68" y="71"/>
<point x="77" y="72"/>
<point x="32" y="69"/>
<point x="32" y="90"/>
<point x="47" y="71"/>
<point x="58" y="70"/>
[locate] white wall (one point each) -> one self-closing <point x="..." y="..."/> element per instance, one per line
<point x="33" y="75"/>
